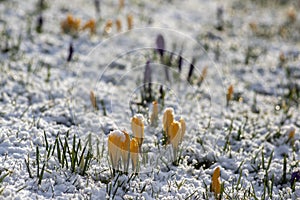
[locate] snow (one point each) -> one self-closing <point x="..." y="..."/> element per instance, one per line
<point x="119" y="134"/>
<point x="43" y="94"/>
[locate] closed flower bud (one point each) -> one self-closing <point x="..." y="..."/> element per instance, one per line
<point x="119" y="25"/>
<point x="291" y="133"/>
<point x="90" y="25"/>
<point x="134" y="153"/>
<point x="137" y="126"/>
<point x="174" y="134"/>
<point x="154" y="114"/>
<point x="115" y="138"/>
<point x="129" y="21"/>
<point x="229" y="94"/>
<point x="125" y="147"/>
<point x="183" y="128"/>
<point x="70" y="25"/>
<point x="168" y="118"/>
<point x="108" y="26"/>
<point x="215" y="181"/>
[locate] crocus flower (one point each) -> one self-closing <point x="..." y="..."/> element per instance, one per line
<point x="183" y="128"/>
<point x="216" y="182"/>
<point x="160" y="45"/>
<point x="174" y="134"/>
<point x="154" y="114"/>
<point x="291" y="133"/>
<point x="70" y="25"/>
<point x="134" y="153"/>
<point x="129" y="21"/>
<point x="119" y="25"/>
<point x="295" y="177"/>
<point x="93" y="100"/>
<point x="191" y="70"/>
<point x="229" y="93"/>
<point x="168" y="118"/>
<point x="121" y="4"/>
<point x="137" y="126"/>
<point x="125" y="147"/>
<point x="90" y="25"/>
<point x="115" y="138"/>
<point x="108" y="26"/>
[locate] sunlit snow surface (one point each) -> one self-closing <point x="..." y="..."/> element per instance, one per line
<point x="42" y="94"/>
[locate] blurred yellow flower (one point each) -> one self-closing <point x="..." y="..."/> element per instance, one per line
<point x="70" y="25"/>
<point x="154" y="114"/>
<point x="168" y="118"/>
<point x="137" y="126"/>
<point x="129" y="21"/>
<point x="119" y="25"/>
<point x="93" y="100"/>
<point x="108" y="26"/>
<point x="121" y="4"/>
<point x="90" y="25"/>
<point x="292" y="132"/>
<point x="229" y="94"/>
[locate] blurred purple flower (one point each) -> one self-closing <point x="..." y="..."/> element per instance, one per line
<point x="160" y="44"/>
<point x="192" y="66"/>
<point x="295" y="177"/>
<point x="147" y="73"/>
<point x="71" y="51"/>
<point x="179" y="62"/>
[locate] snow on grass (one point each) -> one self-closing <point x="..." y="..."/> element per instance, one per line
<point x="53" y="140"/>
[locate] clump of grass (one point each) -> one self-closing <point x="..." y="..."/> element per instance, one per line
<point x="71" y="156"/>
<point x="2" y="177"/>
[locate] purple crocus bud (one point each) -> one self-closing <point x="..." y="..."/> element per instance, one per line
<point x="71" y="50"/>
<point x="295" y="177"/>
<point x="147" y="73"/>
<point x="160" y="44"/>
<point x="39" y="26"/>
<point x="179" y="63"/>
<point x="97" y="6"/>
<point x="192" y="66"/>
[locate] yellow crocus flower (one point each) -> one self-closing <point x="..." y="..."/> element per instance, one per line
<point x="125" y="147"/>
<point x="168" y="118"/>
<point x="134" y="153"/>
<point x="137" y="126"/>
<point x="183" y="128"/>
<point x="90" y="25"/>
<point x="216" y="182"/>
<point x="115" y="138"/>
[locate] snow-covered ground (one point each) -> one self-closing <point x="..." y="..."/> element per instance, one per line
<point x="47" y="117"/>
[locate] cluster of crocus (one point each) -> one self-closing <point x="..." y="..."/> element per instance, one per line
<point x="71" y="25"/>
<point x="109" y="25"/>
<point x="121" y="147"/>
<point x="173" y="130"/>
